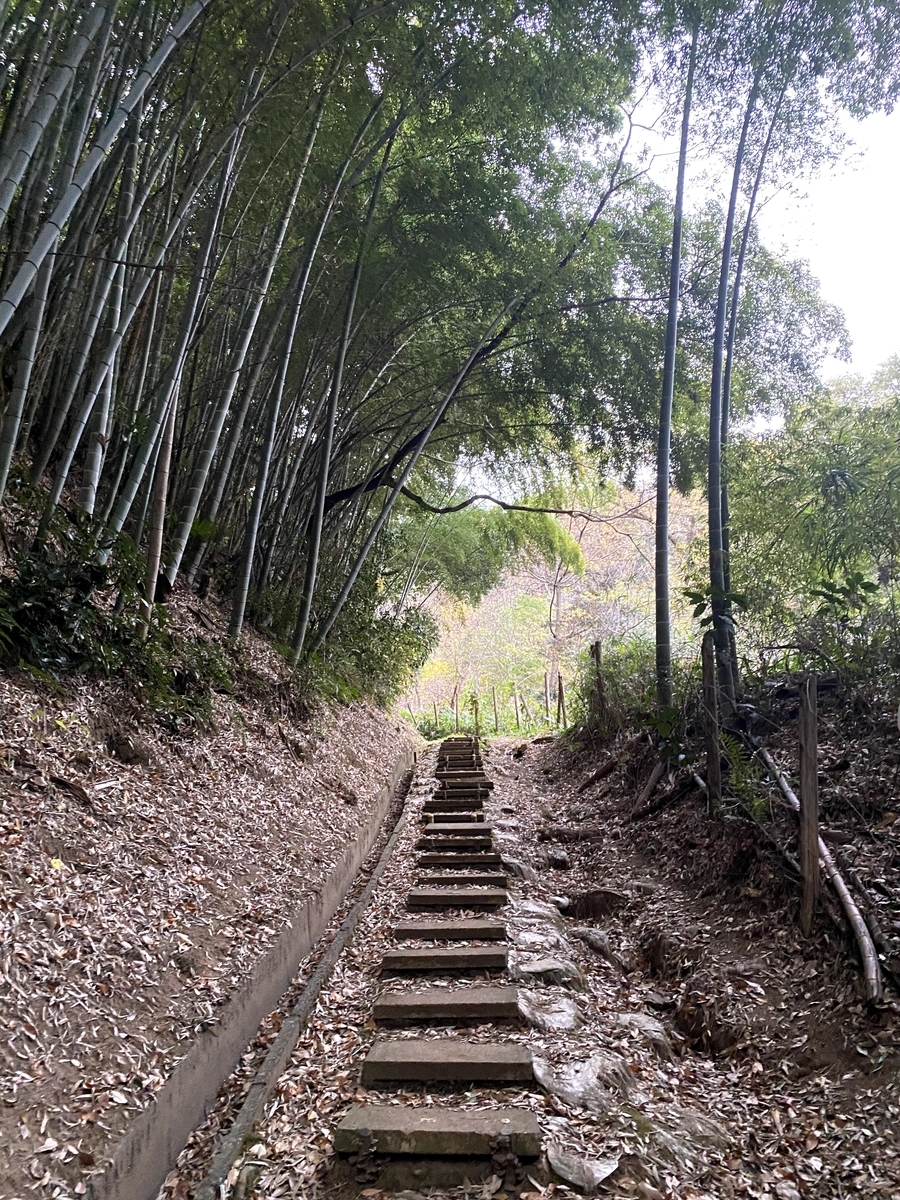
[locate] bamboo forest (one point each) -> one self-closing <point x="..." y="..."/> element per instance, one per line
<point x="441" y="421"/>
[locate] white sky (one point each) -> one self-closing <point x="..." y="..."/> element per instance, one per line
<point x="845" y="223"/>
<point x="848" y="228"/>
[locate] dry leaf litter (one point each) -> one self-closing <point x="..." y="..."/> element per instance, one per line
<point x="143" y="875"/>
<point x="723" y="1056"/>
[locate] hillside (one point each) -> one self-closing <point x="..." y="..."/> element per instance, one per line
<point x="144" y="874"/>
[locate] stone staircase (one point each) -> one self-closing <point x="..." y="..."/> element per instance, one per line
<point x="457" y="839"/>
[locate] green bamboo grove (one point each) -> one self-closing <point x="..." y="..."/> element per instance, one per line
<point x="271" y="273"/>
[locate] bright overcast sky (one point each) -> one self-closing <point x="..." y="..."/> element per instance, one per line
<point x="848" y="228"/>
<point x="846" y="224"/>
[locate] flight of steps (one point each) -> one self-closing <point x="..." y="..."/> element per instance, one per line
<point x="461" y="873"/>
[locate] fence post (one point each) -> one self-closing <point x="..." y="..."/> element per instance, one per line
<point x="547" y="695"/>
<point x="456" y="707"/>
<point x="602" y="705"/>
<point x="561" y="718"/>
<point x="809" y="800"/>
<point x="711" y="721"/>
<point x="475" y="709"/>
<point x="437" y="724"/>
<point x="516" y="708"/>
<point x="494" y="698"/>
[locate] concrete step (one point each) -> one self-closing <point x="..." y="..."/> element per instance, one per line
<point x="458" y="845"/>
<point x="464" y="1005"/>
<point x="441" y="858"/>
<point x="446" y="958"/>
<point x="437" y="1132"/>
<point x="456" y="898"/>
<point x="446" y="1060"/>
<point x="456" y="816"/>
<point x="441" y="803"/>
<point x="449" y="829"/>
<point x="469" y="879"/>
<point x="465" y="929"/>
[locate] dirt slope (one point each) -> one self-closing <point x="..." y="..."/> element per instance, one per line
<point x="142" y="873"/>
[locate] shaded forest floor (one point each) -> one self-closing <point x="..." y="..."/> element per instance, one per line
<point x="143" y="873"/>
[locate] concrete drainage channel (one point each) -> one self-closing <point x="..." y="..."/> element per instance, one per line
<point x="397" y="1145"/>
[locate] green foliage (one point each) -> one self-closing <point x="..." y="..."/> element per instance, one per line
<point x="63" y="613"/>
<point x="621" y="694"/>
<point x="743" y="774"/>
<point x="816" y="520"/>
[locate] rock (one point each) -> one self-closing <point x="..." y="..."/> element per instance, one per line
<point x="547" y="969"/>
<point x="651" y="1031"/>
<point x="586" y="1174"/>
<point x="515" y="866"/>
<point x="659" y="1000"/>
<point x="535" y="910"/>
<point x="557" y="860"/>
<point x="599" y="943"/>
<point x="592" y="1084"/>
<point x="601" y="902"/>
<point x="536" y="938"/>
<point x="698" y="1127"/>
<point x="504" y="824"/>
<point x="549" y="1013"/>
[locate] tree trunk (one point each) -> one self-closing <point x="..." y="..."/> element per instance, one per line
<point x="664" y="695"/>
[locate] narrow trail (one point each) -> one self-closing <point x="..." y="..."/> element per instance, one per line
<point x="480" y="1035"/>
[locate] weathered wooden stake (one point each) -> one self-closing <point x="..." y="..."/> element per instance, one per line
<point x="547" y="695"/>
<point x="456" y="707"/>
<point x="496" y="721"/>
<point x="516" y="708"/>
<point x="711" y="721"/>
<point x="561" y="718"/>
<point x="437" y="724"/>
<point x="475" y="709"/>
<point x="809" y="801"/>
<point x="602" y="705"/>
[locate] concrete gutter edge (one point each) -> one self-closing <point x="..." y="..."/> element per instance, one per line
<point x="150" y="1147"/>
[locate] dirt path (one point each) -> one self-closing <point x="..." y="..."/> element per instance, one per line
<point x="690" y="1045"/>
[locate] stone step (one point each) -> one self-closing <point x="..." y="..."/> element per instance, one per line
<point x="442" y="859"/>
<point x="464" y="929"/>
<point x="449" y="1004"/>
<point x="456" y="816"/>
<point x="446" y="958"/>
<point x="444" y="845"/>
<point x="456" y="898"/>
<point x="467" y="777"/>
<point x="446" y="1060"/>
<point x="441" y="803"/>
<point x="436" y="1131"/>
<point x="469" y="879"/>
<point x="449" y="829"/>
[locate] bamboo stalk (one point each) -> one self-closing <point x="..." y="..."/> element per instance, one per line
<point x="809" y="802"/>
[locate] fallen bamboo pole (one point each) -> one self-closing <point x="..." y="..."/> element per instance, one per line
<point x="871" y="966"/>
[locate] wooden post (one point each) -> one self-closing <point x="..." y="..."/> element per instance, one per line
<point x="602" y="705"/>
<point x="547" y="695"/>
<point x="496" y="721"/>
<point x="456" y="707"/>
<point x="561" y="718"/>
<point x="809" y="801"/>
<point x="437" y="724"/>
<point x="711" y="721"/>
<point x="475" y="709"/>
<point x="516" y="708"/>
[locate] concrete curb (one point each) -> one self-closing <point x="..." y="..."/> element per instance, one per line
<point x="150" y="1147"/>
<point x="283" y="1046"/>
